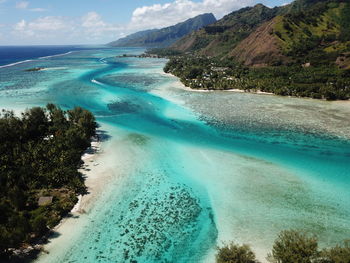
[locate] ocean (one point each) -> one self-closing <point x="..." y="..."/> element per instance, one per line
<point x="181" y="172"/>
<point x="10" y="55"/>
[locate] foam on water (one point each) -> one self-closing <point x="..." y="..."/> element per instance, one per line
<point x="184" y="171"/>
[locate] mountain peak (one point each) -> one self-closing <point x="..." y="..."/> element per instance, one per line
<point x="260" y="6"/>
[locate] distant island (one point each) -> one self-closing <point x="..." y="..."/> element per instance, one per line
<point x="34" y="69"/>
<point x="40" y="155"/>
<point x="301" y="49"/>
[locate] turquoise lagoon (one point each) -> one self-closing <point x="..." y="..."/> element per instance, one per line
<point x="180" y="171"/>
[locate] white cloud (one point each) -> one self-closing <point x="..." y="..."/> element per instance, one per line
<point x="94" y="27"/>
<point x="43" y="27"/>
<point x="92" y="19"/>
<point x="158" y="15"/>
<point x="22" y="5"/>
<point x="49" y="23"/>
<point x="25" y="5"/>
<point x="20" y="26"/>
<point x="90" y="28"/>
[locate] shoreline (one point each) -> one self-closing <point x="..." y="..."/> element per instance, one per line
<point x="258" y="92"/>
<point x="104" y="172"/>
<point x="32" y="251"/>
<point x="186" y="88"/>
<point x="89" y="158"/>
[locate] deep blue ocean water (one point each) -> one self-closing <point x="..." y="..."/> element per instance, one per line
<point x="14" y="54"/>
<point x="184" y="171"/>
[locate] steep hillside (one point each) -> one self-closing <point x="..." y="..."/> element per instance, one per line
<point x="306" y="31"/>
<point x="221" y="37"/>
<point x="259" y="48"/>
<point x="166" y="36"/>
<point x="318" y="35"/>
<point x="302" y="49"/>
<point x="301" y="5"/>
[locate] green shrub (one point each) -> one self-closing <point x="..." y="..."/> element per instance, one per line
<point x="338" y="254"/>
<point x="294" y="247"/>
<point x="233" y="253"/>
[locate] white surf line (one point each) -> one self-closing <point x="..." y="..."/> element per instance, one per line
<point x="16" y="63"/>
<point x="58" y="55"/>
<point x="103" y="60"/>
<point x="54" y="68"/>
<point x="29" y="60"/>
<point x="97" y="82"/>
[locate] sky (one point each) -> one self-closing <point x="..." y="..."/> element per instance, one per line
<point x="64" y="22"/>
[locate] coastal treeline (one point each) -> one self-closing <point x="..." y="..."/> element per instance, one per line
<point x="291" y="246"/>
<point x="321" y="82"/>
<point x="40" y="153"/>
<point x="301" y="49"/>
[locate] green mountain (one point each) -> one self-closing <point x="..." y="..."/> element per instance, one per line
<point x="306" y="31"/>
<point x="301" y="49"/>
<point x="219" y="38"/>
<point x="166" y="36"/>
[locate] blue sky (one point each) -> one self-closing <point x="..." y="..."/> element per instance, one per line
<point x="26" y="22"/>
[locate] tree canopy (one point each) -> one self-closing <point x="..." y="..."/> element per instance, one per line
<point x="40" y="153"/>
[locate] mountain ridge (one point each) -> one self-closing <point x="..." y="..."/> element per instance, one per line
<point x="263" y="36"/>
<point x="165" y="37"/>
<point x="226" y="32"/>
<point x="301" y="49"/>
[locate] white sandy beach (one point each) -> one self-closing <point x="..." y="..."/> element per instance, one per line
<point x="96" y="178"/>
<point x="89" y="159"/>
<point x="104" y="172"/>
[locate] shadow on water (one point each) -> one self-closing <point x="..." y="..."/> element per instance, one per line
<point x="103" y="136"/>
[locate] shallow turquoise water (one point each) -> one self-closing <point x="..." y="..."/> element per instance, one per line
<point x="200" y="168"/>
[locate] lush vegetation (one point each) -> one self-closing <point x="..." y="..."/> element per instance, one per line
<point x="163" y="52"/>
<point x="302" y="28"/>
<point x="318" y="34"/>
<point x="322" y="82"/>
<point x="290" y="247"/>
<point x="40" y="153"/>
<point x="308" y="54"/>
<point x="220" y="38"/>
